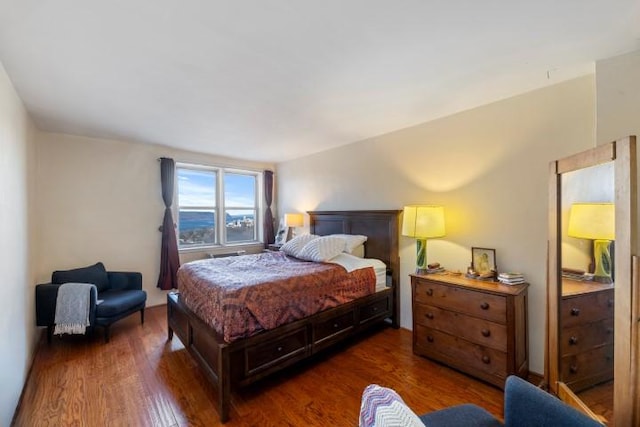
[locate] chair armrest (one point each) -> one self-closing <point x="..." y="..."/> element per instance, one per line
<point x="125" y="280"/>
<point x="526" y="405"/>
<point x="46" y="297"/>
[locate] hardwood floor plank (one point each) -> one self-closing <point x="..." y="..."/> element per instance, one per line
<point x="139" y="378"/>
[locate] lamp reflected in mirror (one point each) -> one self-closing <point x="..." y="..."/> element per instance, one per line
<point x="595" y="221"/>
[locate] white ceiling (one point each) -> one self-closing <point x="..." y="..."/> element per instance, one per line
<point x="273" y="80"/>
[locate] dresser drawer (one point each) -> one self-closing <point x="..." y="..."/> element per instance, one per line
<point x="263" y="356"/>
<point x="584" y="308"/>
<point x="476" y="330"/>
<point x="326" y="330"/>
<point x="588" y="368"/>
<point x="461" y="354"/>
<point x="580" y="338"/>
<point x="473" y="303"/>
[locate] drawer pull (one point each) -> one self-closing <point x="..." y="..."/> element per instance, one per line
<point x="484" y="306"/>
<point x="335" y="326"/>
<point x="575" y="311"/>
<point x="279" y="349"/>
<point x="375" y="309"/>
<point x="610" y="303"/>
<point x="486" y="359"/>
<point x="430" y="292"/>
<point x="609" y="331"/>
<point x="429" y="315"/>
<point x="486" y="333"/>
<point x="573" y="341"/>
<point x="429" y="338"/>
<point x="573" y="369"/>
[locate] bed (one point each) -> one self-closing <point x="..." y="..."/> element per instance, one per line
<point x="230" y="364"/>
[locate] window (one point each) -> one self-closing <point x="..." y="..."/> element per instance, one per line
<point x="217" y="206"/>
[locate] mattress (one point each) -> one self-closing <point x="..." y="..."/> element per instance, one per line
<point x="352" y="263"/>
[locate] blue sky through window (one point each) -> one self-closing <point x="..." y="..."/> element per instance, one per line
<point x="198" y="187"/>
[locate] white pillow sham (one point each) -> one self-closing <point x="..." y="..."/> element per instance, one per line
<point x="322" y="249"/>
<point x="295" y="245"/>
<point x="357" y="251"/>
<point x="351" y="241"/>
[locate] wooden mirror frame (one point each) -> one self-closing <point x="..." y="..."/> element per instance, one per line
<point x="623" y="153"/>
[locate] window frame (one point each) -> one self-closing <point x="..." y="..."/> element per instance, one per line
<point x="220" y="207"/>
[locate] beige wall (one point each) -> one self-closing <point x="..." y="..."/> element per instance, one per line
<point x="101" y="201"/>
<point x="618" y="97"/>
<point x="487" y="166"/>
<point x="17" y="319"/>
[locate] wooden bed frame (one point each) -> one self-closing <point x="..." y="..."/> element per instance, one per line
<point x="236" y="364"/>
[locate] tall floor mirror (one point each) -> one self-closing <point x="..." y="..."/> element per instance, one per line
<point x="592" y="318"/>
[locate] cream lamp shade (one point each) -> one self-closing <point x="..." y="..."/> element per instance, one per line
<point x="293" y="220"/>
<point x="423" y="221"/>
<point x="595" y="221"/>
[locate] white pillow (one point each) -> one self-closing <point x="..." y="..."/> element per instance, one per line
<point x="295" y="245"/>
<point x="351" y="241"/>
<point x="357" y="251"/>
<point x="383" y="407"/>
<point x="322" y="249"/>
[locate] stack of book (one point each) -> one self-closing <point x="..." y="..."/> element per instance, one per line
<point x="511" y="278"/>
<point x="575" y="274"/>
<point x="435" y="268"/>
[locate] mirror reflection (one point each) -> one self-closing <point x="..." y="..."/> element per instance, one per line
<point x="588" y="274"/>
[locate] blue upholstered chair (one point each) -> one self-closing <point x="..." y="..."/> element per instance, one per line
<point x="120" y="295"/>
<point x="524" y="406"/>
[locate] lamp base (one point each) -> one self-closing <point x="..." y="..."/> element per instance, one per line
<point x="602" y="256"/>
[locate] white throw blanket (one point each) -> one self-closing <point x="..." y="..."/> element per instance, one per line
<point x="72" y="308"/>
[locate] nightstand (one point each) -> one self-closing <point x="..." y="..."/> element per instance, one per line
<point x="477" y="327"/>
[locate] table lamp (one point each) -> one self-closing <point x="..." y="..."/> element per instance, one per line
<point x="423" y="222"/>
<point x="595" y="221"/>
<point x="291" y="221"/>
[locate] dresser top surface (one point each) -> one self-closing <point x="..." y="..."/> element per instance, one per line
<point x="576" y="287"/>
<point x="481" y="285"/>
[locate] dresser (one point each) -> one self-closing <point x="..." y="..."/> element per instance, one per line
<point x="474" y="326"/>
<point x="586" y="333"/>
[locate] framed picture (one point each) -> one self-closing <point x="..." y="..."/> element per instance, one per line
<point x="281" y="234"/>
<point x="483" y="260"/>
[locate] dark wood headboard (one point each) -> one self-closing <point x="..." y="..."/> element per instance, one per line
<point x="382" y="231"/>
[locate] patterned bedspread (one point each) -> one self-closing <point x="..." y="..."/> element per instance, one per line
<point x="242" y="295"/>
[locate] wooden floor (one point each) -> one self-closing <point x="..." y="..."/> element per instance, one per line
<point x="141" y="379"/>
<point x="600" y="400"/>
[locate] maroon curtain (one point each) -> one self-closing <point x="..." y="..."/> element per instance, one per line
<point x="269" y="233"/>
<point x="169" y="260"/>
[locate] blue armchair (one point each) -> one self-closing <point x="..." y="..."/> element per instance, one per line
<point x="524" y="406"/>
<point x="120" y="295"/>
